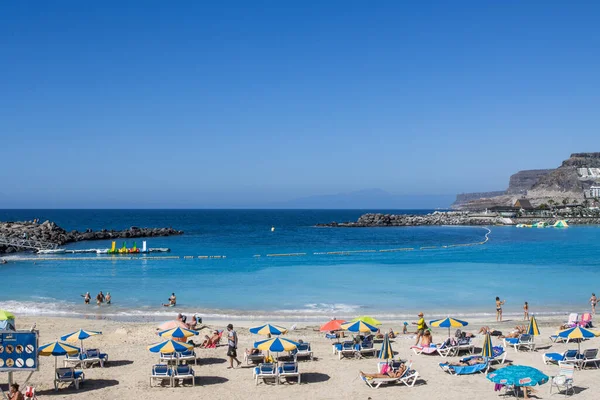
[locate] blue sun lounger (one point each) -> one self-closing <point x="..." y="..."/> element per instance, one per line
<point x="467" y="369"/>
<point x="567" y="356"/>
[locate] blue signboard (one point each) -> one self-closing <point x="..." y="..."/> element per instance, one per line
<point x="18" y="351"/>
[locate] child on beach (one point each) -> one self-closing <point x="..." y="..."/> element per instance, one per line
<point x="405" y="328"/>
<point x="499" y="305"/>
<point x="526" y="311"/>
<point x="172" y="301"/>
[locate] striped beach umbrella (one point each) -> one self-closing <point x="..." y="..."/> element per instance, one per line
<point x="80" y="336"/>
<point x="268" y="329"/>
<point x="57" y="349"/>
<point x="169" y="346"/>
<point x="533" y="328"/>
<point x="487" y="350"/>
<point x="577" y="333"/>
<point x="369" y="320"/>
<point x="177" y="333"/>
<point x="449" y="323"/>
<point x="386" y="352"/>
<point x="359" y="326"/>
<point x="276" y="345"/>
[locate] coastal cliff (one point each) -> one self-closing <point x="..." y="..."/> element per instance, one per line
<point x="51" y="233"/>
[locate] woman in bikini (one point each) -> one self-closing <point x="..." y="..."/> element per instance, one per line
<point x="593" y="302"/>
<point x="526" y="311"/>
<point x="389" y="374"/>
<point x="499" y="305"/>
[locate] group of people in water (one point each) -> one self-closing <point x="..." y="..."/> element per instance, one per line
<point x="100" y="298"/>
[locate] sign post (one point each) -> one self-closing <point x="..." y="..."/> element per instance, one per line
<point x="18" y="352"/>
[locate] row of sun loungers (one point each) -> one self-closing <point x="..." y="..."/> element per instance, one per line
<point x="165" y="373"/>
<point x="86" y="358"/>
<point x="350" y="349"/>
<point x="574" y="357"/>
<point x="186" y="356"/>
<point x="499" y="356"/>
<point x="272" y="371"/>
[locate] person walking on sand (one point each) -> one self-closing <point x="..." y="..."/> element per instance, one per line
<point x="232" y="343"/>
<point x="421" y="326"/>
<point x="526" y="311"/>
<point x="593" y="302"/>
<point x="499" y="304"/>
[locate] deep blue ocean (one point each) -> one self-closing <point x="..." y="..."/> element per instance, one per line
<point x="555" y="270"/>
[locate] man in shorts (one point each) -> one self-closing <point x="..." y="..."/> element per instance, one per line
<point x="232" y="343"/>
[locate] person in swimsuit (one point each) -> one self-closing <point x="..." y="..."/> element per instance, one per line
<point x="108" y="298"/>
<point x="172" y="301"/>
<point x="86" y="298"/>
<point x="472" y="361"/>
<point x="389" y="374"/>
<point x="593" y="302"/>
<point x="526" y="311"/>
<point x="499" y="305"/>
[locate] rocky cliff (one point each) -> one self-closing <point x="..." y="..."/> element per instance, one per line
<point x="464" y="198"/>
<point x="52" y="233"/>
<point x="522" y="181"/>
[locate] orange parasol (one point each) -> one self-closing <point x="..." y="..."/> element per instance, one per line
<point x="333" y="325"/>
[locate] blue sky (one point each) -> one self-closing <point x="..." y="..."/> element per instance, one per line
<point x="190" y="104"/>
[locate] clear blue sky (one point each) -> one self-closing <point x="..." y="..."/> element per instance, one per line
<point x="240" y="103"/>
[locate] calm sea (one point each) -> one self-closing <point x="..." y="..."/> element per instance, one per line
<point x="555" y="270"/>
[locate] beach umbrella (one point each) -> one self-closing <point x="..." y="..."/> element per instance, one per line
<point x="448" y="323"/>
<point x="268" y="329"/>
<point x="359" y="326"/>
<point x="57" y="349"/>
<point x="577" y="333"/>
<point x="386" y="352"/>
<point x="177" y="333"/>
<point x="80" y="335"/>
<point x="518" y="375"/>
<point x="276" y="345"/>
<point x="169" y="346"/>
<point x="533" y="328"/>
<point x="487" y="349"/>
<point x="367" y="319"/>
<point x="171" y="324"/>
<point x="4" y="315"/>
<point x="333" y="325"/>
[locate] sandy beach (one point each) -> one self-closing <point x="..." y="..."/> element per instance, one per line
<point x="127" y="374"/>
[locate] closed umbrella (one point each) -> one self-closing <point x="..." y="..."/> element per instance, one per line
<point x="57" y="349"/>
<point x="448" y="323"/>
<point x="533" y="328"/>
<point x="487" y="349"/>
<point x="268" y="329"/>
<point x="518" y="375"/>
<point x="386" y="352"/>
<point x="79" y="335"/>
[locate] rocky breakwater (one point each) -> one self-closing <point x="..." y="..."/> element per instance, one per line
<point x="436" y="218"/>
<point x="49" y="232"/>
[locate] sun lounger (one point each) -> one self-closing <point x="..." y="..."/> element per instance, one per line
<point x="68" y="375"/>
<point x="464" y="344"/>
<point x="337" y="347"/>
<point x="424" y="350"/>
<point x="161" y="372"/>
<point x="302" y="351"/>
<point x="93" y="356"/>
<point x="394" y="365"/>
<point x="498" y="355"/>
<point x="555" y="358"/>
<point x="254" y="358"/>
<point x="523" y="341"/>
<point x="367" y="348"/>
<point x="589" y="356"/>
<point x="467" y="369"/>
<point x="586" y="320"/>
<point x="408" y="378"/>
<point x="349" y="349"/>
<point x="73" y="360"/>
<point x="168" y="357"/>
<point x="564" y="379"/>
<point x="289" y="370"/>
<point x="188" y="355"/>
<point x="573" y="320"/>
<point x="183" y="372"/>
<point x="265" y="371"/>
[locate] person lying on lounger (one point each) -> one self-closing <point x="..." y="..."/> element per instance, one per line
<point x="472" y="361"/>
<point x="391" y="334"/>
<point x="518" y="331"/>
<point x="427" y="339"/>
<point x="388" y="374"/>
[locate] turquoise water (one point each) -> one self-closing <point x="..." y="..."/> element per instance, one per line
<point x="555" y="270"/>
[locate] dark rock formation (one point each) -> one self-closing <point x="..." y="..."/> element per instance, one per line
<point x="522" y="181"/>
<point x="51" y="233"/>
<point x="464" y="198"/>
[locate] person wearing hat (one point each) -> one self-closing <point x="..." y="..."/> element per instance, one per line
<point x="421" y="326"/>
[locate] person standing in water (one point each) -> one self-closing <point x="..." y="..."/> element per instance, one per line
<point x="526" y="311"/>
<point x="108" y="298"/>
<point x="499" y="305"/>
<point x="593" y="302"/>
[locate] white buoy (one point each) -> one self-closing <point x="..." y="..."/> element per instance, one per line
<point x="272" y="229"/>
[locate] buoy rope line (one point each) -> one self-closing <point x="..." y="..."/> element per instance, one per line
<point x="220" y="257"/>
